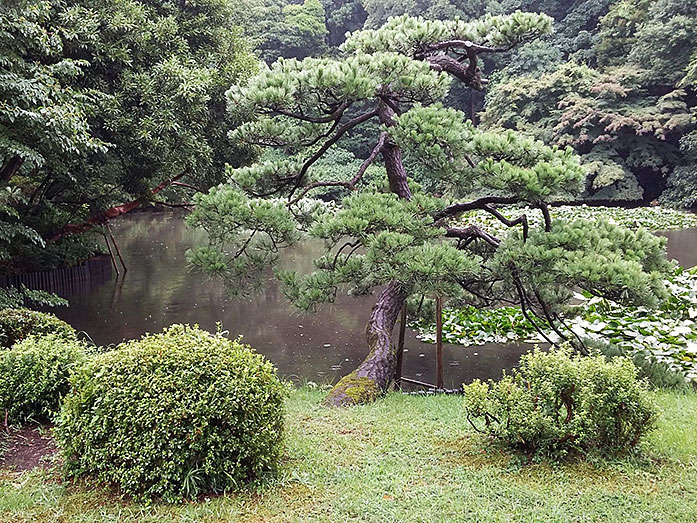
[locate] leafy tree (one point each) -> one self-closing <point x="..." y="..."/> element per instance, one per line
<point x="389" y="236"/>
<point x="280" y="28"/>
<point x="628" y="136"/>
<point x="165" y="66"/>
<point x="343" y="16"/>
<point x="43" y="116"/>
<point x="659" y="37"/>
<point x="681" y="189"/>
<point x="104" y="100"/>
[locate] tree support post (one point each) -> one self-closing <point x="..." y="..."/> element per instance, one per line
<point x="116" y="246"/>
<point x="439" y="342"/>
<point x="400" y="345"/>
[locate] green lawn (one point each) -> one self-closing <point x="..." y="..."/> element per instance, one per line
<point x="409" y="458"/>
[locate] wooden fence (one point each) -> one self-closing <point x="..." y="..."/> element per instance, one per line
<point x="64" y="282"/>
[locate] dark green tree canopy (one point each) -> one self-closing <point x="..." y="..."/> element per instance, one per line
<point x="103" y="101"/>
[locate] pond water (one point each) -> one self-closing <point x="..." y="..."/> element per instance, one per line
<point x="159" y="289"/>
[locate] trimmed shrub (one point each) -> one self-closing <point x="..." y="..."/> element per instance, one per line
<point x="174" y="415"/>
<point x="34" y="376"/>
<point x="557" y="404"/>
<point x="17" y="324"/>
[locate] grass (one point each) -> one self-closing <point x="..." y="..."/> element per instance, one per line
<point x="408" y="458"/>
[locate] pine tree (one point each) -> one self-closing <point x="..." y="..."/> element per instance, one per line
<point x="388" y="235"/>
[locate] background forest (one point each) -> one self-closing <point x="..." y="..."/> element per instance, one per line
<point x="122" y="102"/>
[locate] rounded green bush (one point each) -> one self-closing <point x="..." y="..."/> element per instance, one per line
<point x="34" y="376"/>
<point x="17" y="324"/>
<point x="174" y="415"/>
<point x="556" y="404"/>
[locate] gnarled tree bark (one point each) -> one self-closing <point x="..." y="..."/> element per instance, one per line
<point x="374" y="375"/>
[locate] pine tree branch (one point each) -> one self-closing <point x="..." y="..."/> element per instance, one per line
<point x="351" y="184"/>
<point x="472" y="232"/>
<point x="334" y="115"/>
<point x="459" y="208"/>
<point x="331" y="141"/>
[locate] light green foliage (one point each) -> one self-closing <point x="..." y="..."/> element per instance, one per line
<point x="395" y="238"/>
<point x="556" y="405"/>
<point x="293" y="86"/>
<point x="247" y="233"/>
<point x="34" y="375"/>
<point x="173" y="415"/>
<point x="506" y="162"/>
<point x="604" y="259"/>
<point x="18" y="323"/>
<point x="407" y="35"/>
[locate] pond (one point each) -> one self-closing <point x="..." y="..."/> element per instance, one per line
<point x="159" y="289"/>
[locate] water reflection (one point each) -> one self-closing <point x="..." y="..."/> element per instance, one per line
<point x="159" y="290"/>
<point x="682" y="246"/>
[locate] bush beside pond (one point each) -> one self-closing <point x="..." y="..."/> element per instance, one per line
<point x="174" y="415"/>
<point x="557" y="404"/>
<point x="34" y="376"/>
<point x="17" y="324"/>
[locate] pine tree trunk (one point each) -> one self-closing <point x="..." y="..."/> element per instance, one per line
<point x="377" y="371"/>
<point x="374" y="375"/>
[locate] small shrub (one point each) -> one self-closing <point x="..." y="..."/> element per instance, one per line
<point x="558" y="404"/>
<point x="17" y="324"/>
<point x="174" y="415"/>
<point x="34" y="376"/>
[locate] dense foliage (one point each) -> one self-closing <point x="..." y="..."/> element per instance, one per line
<point x="621" y="93"/>
<point x="100" y="103"/>
<point x="34" y="376"/>
<point x="556" y="405"/>
<point x="174" y="415"/>
<point x="17" y="324"/>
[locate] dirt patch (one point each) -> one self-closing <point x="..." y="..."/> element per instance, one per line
<point x="27" y="448"/>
